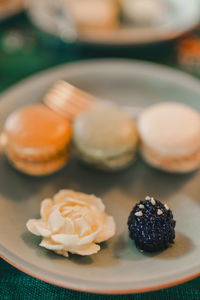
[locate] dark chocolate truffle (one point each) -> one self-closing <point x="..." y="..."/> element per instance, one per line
<point x="151" y="225"/>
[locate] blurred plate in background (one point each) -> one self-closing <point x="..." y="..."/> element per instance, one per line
<point x="180" y="17"/>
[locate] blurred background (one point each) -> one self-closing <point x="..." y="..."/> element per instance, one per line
<point x="35" y="35"/>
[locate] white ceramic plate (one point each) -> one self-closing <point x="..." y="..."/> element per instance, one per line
<point x="183" y="16"/>
<point x="119" y="267"/>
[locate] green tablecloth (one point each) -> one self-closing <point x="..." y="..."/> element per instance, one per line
<point x="24" y="52"/>
<point x="15" y="285"/>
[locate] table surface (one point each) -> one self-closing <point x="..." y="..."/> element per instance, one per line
<point x="24" y="51"/>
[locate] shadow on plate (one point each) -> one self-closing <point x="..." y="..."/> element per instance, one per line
<point x="125" y="249"/>
<point x="182" y="246"/>
<point x="136" y="182"/>
<point x="33" y="242"/>
<point x="103" y="258"/>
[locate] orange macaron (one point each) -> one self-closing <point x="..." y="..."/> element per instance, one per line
<point x="37" y="140"/>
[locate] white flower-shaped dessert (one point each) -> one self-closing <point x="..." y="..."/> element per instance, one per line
<point x="72" y="222"/>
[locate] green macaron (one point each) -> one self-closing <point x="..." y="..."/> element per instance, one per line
<point x="106" y="137"/>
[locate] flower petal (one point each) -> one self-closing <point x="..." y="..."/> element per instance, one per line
<point x="89" y="238"/>
<point x="60" y="196"/>
<point x="90" y="217"/>
<point x="38" y="227"/>
<point x="73" y="200"/>
<point x="31" y="226"/>
<point x="62" y="252"/>
<point x="66" y="210"/>
<point x="51" y="246"/>
<point x="82" y="226"/>
<point x="108" y="230"/>
<point x="97" y="202"/>
<point x="42" y="230"/>
<point x="55" y="221"/>
<point x="69" y="227"/>
<point x="80" y="198"/>
<point x="87" y="249"/>
<point x="45" y="209"/>
<point x="68" y="240"/>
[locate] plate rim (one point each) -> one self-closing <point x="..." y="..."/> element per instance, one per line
<point x="93" y="62"/>
<point x="194" y="83"/>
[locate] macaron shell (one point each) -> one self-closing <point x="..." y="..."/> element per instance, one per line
<point x="36" y="126"/>
<point x="170" y="129"/>
<point x="174" y="164"/>
<point x="40" y="168"/>
<point x="37" y="133"/>
<point x="104" y="131"/>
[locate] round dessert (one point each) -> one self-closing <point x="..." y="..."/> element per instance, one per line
<point x="37" y="139"/>
<point x="94" y="15"/>
<point x="105" y="137"/>
<point x="151" y="225"/>
<point x="144" y="12"/>
<point x="72" y="222"/>
<point x="170" y="135"/>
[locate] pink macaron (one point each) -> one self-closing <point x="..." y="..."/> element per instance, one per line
<point x="170" y="137"/>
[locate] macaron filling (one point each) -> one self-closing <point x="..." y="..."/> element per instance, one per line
<point x="117" y="161"/>
<point x="175" y="163"/>
<point x="38" y="167"/>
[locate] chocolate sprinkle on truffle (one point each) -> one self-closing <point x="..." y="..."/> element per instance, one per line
<point x="138" y="213"/>
<point x="153" y="201"/>
<point x="153" y="230"/>
<point x="141" y="206"/>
